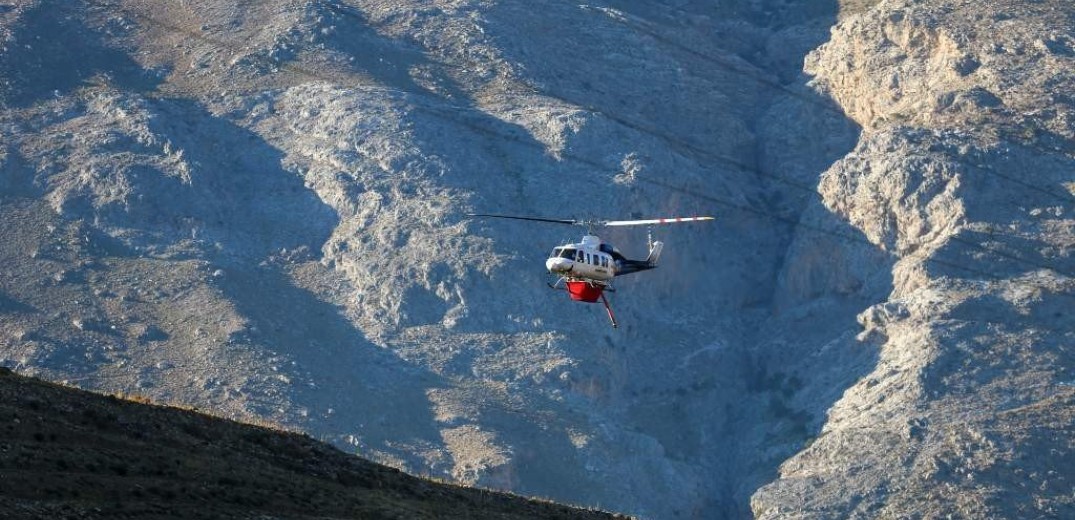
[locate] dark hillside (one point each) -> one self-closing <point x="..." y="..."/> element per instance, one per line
<point x="67" y="453"/>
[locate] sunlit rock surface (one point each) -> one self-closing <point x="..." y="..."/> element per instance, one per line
<point x="258" y="209"/>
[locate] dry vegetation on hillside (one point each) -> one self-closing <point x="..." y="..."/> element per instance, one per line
<point x="66" y="453"/>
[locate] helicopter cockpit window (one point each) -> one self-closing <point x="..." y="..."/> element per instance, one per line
<point x="566" y="253"/>
<point x="556" y="252"/>
<point x="580" y="256"/>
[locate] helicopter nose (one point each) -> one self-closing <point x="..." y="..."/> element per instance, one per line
<point x="558" y="265"/>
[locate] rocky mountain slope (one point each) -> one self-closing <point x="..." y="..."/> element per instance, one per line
<point x="964" y="172"/>
<point x="72" y="454"/>
<point x="256" y="208"/>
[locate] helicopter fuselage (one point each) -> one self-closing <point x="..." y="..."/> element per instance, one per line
<point x="589" y="259"/>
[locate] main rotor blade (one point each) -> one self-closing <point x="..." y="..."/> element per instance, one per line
<point x="536" y="219"/>
<point x="650" y="222"/>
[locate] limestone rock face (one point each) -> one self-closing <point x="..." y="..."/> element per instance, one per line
<point x="258" y="209"/>
<point x="963" y="174"/>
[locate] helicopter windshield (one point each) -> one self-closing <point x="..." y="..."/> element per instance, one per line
<point x="565" y="253"/>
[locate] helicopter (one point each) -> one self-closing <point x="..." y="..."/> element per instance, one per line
<point x="586" y="269"/>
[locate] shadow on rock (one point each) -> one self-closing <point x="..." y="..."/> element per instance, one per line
<point x="55" y="51"/>
<point x="345" y="382"/>
<point x="237" y="199"/>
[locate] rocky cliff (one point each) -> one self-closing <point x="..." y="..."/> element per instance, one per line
<point x="963" y="173"/>
<point x="257" y="209"/>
